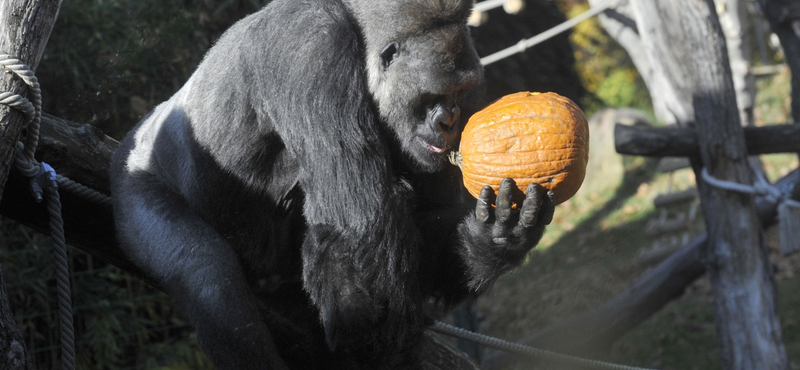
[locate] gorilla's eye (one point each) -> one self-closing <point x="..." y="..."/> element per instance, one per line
<point x="387" y="55"/>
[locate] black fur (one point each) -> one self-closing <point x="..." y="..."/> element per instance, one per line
<point x="293" y="198"/>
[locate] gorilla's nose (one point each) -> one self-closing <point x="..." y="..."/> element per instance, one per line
<point x="446" y="114"/>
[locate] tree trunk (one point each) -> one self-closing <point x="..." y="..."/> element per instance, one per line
<point x="12" y="345"/>
<point x="733" y="18"/>
<point x="748" y="330"/>
<point x="25" y="27"/>
<point x="666" y="93"/>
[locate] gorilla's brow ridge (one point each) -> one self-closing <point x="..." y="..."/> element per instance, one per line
<point x="440" y="12"/>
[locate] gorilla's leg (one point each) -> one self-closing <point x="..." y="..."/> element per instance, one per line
<point x="199" y="270"/>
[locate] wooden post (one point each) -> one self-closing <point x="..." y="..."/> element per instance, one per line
<point x="744" y="294"/>
<point x="25" y="27"/>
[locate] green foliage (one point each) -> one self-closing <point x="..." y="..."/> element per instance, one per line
<point x="605" y="68"/>
<point x="621" y="89"/>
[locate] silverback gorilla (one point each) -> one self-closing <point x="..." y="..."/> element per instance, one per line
<point x="294" y="197"/>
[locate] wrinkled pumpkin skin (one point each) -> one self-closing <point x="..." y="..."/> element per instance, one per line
<point x="530" y="137"/>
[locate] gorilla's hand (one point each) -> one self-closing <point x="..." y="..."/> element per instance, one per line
<point x="510" y="227"/>
<point x="496" y="240"/>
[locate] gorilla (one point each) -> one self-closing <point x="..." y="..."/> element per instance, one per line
<point x="294" y="197"/>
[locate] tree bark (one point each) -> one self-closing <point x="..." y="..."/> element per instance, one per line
<point x="732" y="17"/>
<point x="666" y="92"/>
<point x="12" y="345"/>
<point x="25" y="27"/>
<point x="744" y="294"/>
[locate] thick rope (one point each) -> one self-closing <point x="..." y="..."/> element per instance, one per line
<point x="43" y="182"/>
<point x="62" y="276"/>
<point x="524" y="350"/>
<point x="83" y="191"/>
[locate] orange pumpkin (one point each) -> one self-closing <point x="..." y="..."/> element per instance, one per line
<point x="530" y="137"/>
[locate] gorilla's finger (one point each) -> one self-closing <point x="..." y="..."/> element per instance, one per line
<point x="548" y="208"/>
<point x="484" y="204"/>
<point x="530" y="207"/>
<point x="503" y="211"/>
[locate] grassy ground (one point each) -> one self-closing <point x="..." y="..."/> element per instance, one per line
<point x="589" y="255"/>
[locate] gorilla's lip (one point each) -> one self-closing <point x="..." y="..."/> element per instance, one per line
<point x="434" y="149"/>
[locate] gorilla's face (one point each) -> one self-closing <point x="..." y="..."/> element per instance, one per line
<point x="419" y="75"/>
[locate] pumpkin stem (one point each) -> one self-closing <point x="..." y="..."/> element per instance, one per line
<point x="455" y="158"/>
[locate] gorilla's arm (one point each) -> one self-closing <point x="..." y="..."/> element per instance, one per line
<point x="358" y="213"/>
<point x="466" y="250"/>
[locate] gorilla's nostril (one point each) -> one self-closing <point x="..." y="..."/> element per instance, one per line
<point x="444" y="113"/>
<point x="446" y="120"/>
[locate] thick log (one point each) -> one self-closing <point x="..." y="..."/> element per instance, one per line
<point x="599" y="328"/>
<point x="82" y="153"/>
<point x="675" y="141"/>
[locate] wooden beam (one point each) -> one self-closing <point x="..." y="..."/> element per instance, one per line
<point x="676" y="141"/>
<point x="82" y="153"/>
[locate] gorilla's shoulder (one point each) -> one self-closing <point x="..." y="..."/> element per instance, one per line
<point x="291" y="16"/>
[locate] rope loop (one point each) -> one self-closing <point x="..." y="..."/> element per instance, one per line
<point x="33" y="114"/>
<point x="788" y="208"/>
<point x="760" y="187"/>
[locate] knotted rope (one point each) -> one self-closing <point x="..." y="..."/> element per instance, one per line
<point x="788" y="208"/>
<point x="43" y="185"/>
